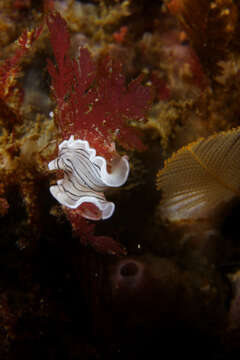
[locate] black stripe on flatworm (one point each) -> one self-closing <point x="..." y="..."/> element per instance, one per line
<point x="85" y="192"/>
<point x="90" y="181"/>
<point x="85" y="161"/>
<point x="83" y="166"/>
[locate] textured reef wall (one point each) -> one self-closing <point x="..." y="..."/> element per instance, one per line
<point x="119" y="179"/>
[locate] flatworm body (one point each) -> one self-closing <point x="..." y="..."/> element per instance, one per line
<point x="86" y="177"/>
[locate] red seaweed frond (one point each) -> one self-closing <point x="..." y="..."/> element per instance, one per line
<point x="85" y="230"/>
<point x="10" y="69"/>
<point x="93" y="101"/>
<point x="62" y="75"/>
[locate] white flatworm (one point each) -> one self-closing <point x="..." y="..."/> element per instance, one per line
<point x="86" y="176"/>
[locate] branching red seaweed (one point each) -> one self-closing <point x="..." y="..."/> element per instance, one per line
<point x="93" y="101"/>
<point x="10" y="69"/>
<point x="85" y="230"/>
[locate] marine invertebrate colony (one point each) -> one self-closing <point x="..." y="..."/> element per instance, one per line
<point x="200" y="177"/>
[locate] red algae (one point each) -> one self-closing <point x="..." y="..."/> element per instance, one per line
<point x="93" y="102"/>
<point x="10" y="93"/>
<point x="85" y="230"/>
